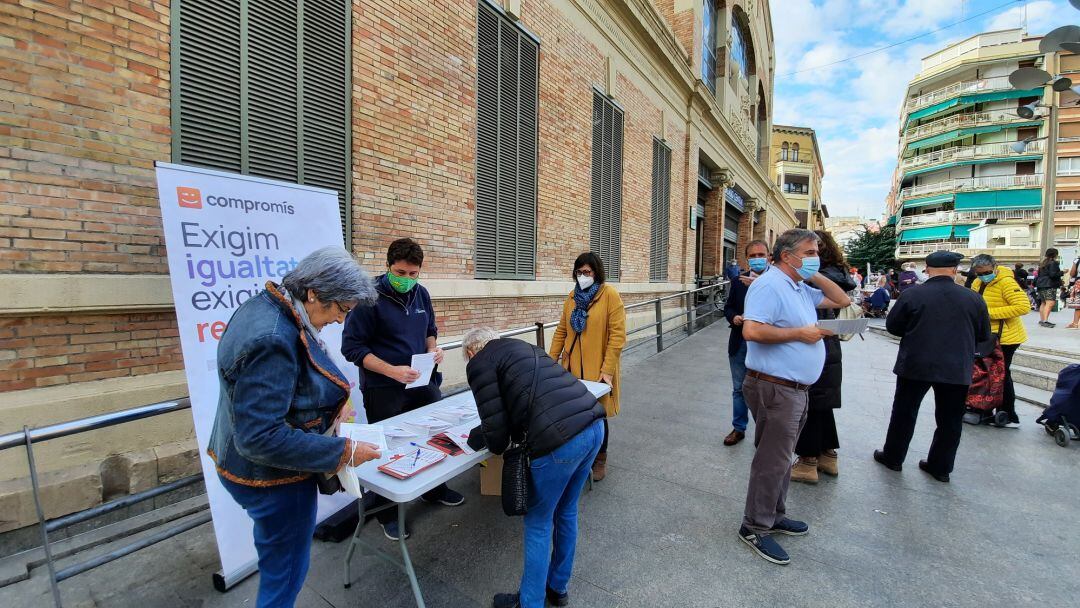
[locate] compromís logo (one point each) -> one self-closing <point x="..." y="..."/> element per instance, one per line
<point x="190" y="198"/>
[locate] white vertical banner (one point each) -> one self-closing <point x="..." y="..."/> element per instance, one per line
<point x="227" y="235"/>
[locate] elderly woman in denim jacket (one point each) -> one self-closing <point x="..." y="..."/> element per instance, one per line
<point x="280" y="392"/>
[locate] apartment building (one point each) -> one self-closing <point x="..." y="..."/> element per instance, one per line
<point x="797" y="170"/>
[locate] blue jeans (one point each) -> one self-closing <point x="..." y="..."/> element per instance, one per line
<point x="284" y="519"/>
<point x="557" y="480"/>
<point x="740" y="414"/>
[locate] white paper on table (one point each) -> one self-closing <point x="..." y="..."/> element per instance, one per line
<point x="425" y="364"/>
<point x="844" y="326"/>
<point x="460" y="436"/>
<point x="398" y="432"/>
<point x="456" y="414"/>
<point x="430" y="424"/>
<point x="368" y="433"/>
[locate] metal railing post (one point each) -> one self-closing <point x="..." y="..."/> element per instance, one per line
<point x="690" y="320"/>
<point x="659" y="325"/>
<point x="41" y="518"/>
<point x="540" y="335"/>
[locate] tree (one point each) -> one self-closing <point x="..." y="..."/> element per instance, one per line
<point x="876" y="247"/>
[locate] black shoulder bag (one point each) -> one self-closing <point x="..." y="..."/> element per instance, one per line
<point x="515" y="474"/>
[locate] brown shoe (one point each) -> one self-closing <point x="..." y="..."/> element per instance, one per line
<point x="599" y="467"/>
<point x="734" y="437"/>
<point x="805" y="470"/>
<point x="827" y="463"/>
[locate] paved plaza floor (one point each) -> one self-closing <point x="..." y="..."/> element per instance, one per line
<point x="661" y="529"/>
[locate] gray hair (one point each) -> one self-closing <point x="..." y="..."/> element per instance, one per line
<point x="477" y="338"/>
<point x="334" y="275"/>
<point x="790" y="239"/>
<point x="983" y="259"/>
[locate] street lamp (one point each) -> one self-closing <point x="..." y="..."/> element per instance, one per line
<point x="1063" y="38"/>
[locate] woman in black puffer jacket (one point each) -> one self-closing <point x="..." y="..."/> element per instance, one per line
<point x="818" y="441"/>
<point x="522" y="394"/>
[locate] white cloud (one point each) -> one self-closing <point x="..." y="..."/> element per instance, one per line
<point x="917" y="16"/>
<point x="1042" y="16"/>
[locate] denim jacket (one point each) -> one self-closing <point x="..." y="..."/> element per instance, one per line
<point x="279" y="393"/>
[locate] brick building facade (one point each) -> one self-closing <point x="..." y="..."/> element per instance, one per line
<point x="88" y="102"/>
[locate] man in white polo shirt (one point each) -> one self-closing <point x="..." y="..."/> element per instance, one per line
<point x="784" y="357"/>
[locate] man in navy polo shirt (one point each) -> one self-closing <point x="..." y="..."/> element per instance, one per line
<point x="382" y="339"/>
<point x="784" y="357"/>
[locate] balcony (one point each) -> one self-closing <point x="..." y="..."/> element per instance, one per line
<point x="1067" y="205"/>
<point x="803" y="159"/>
<point x="973" y="184"/>
<point x="915" y="249"/>
<point x="967" y="217"/>
<point x="961" y="121"/>
<point x="950" y="155"/>
<point x="982" y="85"/>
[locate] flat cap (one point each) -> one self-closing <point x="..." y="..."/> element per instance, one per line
<point x="943" y="259"/>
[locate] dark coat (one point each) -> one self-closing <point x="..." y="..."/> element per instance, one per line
<point x="733" y="307"/>
<point x="939" y="325"/>
<point x="1049" y="276"/>
<point x="825" y="393"/>
<point x="394" y="330"/>
<point x="501" y="378"/>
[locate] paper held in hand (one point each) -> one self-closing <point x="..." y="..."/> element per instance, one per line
<point x="844" y="326"/>
<point x="425" y="364"/>
<point x="367" y="433"/>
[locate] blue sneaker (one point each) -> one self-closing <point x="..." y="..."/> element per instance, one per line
<point x="449" y="498"/>
<point x="391" y="531"/>
<point x="765" y="546"/>
<point x="791" y="527"/>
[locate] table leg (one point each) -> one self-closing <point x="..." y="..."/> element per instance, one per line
<point x="408" y="562"/>
<point x="352" y="543"/>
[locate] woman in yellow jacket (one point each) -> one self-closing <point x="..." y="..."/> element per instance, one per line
<point x="589" y="339"/>
<point x="1006" y="302"/>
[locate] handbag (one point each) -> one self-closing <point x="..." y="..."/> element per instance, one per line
<point x="515" y="475"/>
<point x="987" y="390"/>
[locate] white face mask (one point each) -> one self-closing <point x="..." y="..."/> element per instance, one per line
<point x="584" y="282"/>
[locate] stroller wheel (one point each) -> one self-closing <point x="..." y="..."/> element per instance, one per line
<point x="1061" y="436"/>
<point x="1075" y="431"/>
<point x="1001" y="418"/>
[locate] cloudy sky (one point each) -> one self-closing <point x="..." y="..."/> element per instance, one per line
<point x="854" y="105"/>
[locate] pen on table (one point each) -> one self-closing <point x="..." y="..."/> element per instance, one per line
<point x="417" y="457"/>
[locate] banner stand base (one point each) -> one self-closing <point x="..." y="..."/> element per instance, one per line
<point x="223" y="582"/>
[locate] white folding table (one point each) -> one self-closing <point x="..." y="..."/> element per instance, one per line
<point x="401" y="491"/>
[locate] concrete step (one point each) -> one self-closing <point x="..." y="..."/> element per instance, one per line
<point x="1072" y="355"/>
<point x="1032" y="395"/>
<point x="1042" y="361"/>
<point x="1036" y="378"/>
<point x="17" y="567"/>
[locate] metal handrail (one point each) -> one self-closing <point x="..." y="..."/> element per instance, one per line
<point x="29" y="436"/>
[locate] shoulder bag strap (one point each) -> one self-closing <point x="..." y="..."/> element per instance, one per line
<point x="532" y="398"/>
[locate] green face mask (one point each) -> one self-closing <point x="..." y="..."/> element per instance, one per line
<point x="401" y="284"/>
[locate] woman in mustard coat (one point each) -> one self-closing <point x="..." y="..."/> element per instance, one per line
<point x="590" y="337"/>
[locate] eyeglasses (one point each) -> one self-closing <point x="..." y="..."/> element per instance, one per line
<point x="584" y="273"/>
<point x="344" y="310"/>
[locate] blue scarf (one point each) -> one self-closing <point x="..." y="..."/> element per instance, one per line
<point x="582" y="299"/>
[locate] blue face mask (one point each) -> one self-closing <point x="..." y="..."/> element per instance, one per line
<point x="809" y="268"/>
<point x="758" y="264"/>
<point x="986" y="278"/>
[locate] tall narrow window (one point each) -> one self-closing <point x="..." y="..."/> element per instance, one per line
<point x="261" y="87"/>
<point x="507" y="98"/>
<point x="795" y="152"/>
<point x="661" y="206"/>
<point x="783" y="151"/>
<point x="606" y="207"/>
<point x="708" y="44"/>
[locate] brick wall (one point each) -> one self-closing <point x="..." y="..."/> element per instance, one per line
<point x="84" y="109"/>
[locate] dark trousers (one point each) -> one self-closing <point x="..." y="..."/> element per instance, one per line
<point x="949" y="413"/>
<point x="818" y="434"/>
<point x="1008" y="404"/>
<point x="382" y="402"/>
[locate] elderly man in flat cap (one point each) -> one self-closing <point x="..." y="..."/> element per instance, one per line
<point x="940" y="325"/>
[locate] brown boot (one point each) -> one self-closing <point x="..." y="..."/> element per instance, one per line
<point x="805" y="470"/>
<point x="599" y="467"/>
<point x="827" y="463"/>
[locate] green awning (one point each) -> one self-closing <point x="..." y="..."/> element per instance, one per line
<point x="963" y="163"/>
<point x="999" y="199"/>
<point x="972" y="99"/>
<point x="927" y="201"/>
<point x="962" y="133"/>
<point x="929" y="233"/>
<point x="962" y="230"/>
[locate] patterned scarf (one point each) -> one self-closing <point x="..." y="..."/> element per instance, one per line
<point x="582" y="299"/>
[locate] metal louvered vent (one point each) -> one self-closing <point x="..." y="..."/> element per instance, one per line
<point x="606" y="206"/>
<point x="263" y="89"/>
<point x="506" y="148"/>
<point x="661" y="206"/>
